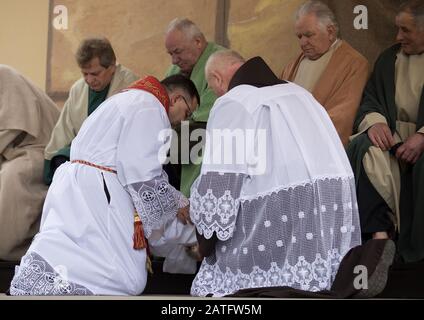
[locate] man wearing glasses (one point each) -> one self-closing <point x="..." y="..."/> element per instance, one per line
<point x="185" y="110"/>
<point x="182" y="110"/>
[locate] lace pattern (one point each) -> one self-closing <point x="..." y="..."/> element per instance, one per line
<point x="312" y="276"/>
<point x="156" y="201"/>
<point x="216" y="211"/>
<point x="291" y="237"/>
<point x="36" y="277"/>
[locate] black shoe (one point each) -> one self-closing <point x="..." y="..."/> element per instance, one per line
<point x="377" y="281"/>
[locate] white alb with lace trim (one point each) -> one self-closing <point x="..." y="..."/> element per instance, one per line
<point x="286" y="215"/>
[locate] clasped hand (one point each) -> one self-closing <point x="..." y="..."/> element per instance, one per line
<point x="409" y="152"/>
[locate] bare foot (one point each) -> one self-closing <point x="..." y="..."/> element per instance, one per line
<point x="380" y="235"/>
<point x="193" y="251"/>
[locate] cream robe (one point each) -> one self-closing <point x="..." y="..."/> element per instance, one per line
<point x="27" y="117"/>
<point x="382" y="169"/>
<point x="75" y="110"/>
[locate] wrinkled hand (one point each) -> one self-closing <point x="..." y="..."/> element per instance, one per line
<point x="381" y="136"/>
<point x="183" y="215"/>
<point x="412" y="149"/>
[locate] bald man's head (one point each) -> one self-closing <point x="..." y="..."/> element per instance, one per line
<point x="220" y="69"/>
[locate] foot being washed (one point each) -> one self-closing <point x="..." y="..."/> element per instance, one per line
<point x="193" y="251"/>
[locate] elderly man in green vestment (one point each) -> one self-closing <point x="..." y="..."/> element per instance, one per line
<point x="102" y="78"/>
<point x="189" y="51"/>
<point x="387" y="151"/>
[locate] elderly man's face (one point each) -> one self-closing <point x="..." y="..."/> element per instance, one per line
<point x="96" y="76"/>
<point x="314" y="39"/>
<point x="410" y="35"/>
<point x="184" y="51"/>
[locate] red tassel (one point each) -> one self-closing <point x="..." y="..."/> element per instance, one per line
<point x="138" y="238"/>
<point x="140" y="241"/>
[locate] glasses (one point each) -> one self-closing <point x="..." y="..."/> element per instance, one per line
<point x="188" y="106"/>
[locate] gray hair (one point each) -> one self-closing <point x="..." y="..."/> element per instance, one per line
<point x="223" y="59"/>
<point x="416" y="9"/>
<point x="185" y="26"/>
<point x="324" y="14"/>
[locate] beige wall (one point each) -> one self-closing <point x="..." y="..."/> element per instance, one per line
<point x="264" y="28"/>
<point x="23" y="37"/>
<point x="135" y="30"/>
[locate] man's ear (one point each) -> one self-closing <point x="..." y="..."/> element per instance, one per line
<point x="173" y="97"/>
<point x="331" y="29"/>
<point x="217" y="77"/>
<point x="198" y="42"/>
<point x="113" y="67"/>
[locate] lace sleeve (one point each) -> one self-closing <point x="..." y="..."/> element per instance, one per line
<point x="215" y="203"/>
<point x="156" y="202"/>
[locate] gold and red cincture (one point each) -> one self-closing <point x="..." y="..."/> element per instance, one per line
<point x="94" y="165"/>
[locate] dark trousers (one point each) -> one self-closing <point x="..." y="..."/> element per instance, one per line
<point x="374" y="212"/>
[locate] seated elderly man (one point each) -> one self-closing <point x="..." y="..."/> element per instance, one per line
<point x="275" y="203"/>
<point x="189" y="51"/>
<point x="387" y="152"/>
<point x="27" y="117"/>
<point x="328" y="67"/>
<point x="102" y="78"/>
